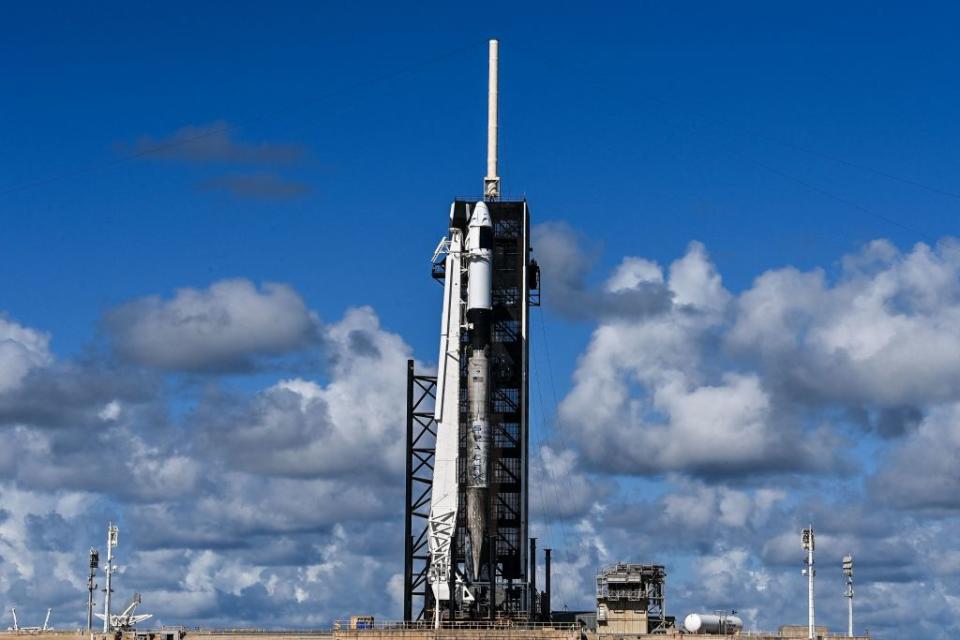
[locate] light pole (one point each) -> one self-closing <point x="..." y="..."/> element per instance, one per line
<point x="94" y="563"/>
<point x="807" y="544"/>
<point x="848" y="571"/>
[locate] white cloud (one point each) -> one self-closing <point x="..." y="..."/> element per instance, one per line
<point x="110" y="411"/>
<point x="302" y="428"/>
<point x="635" y="289"/>
<point x="646" y="388"/>
<point x="887" y="332"/>
<point x="21" y="349"/>
<point x="696" y="505"/>
<point x="226" y="326"/>
<point x="563" y="489"/>
<point x="723" y="383"/>
<point x="695" y="282"/>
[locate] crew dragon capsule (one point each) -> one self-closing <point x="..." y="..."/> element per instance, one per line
<point x="479" y="254"/>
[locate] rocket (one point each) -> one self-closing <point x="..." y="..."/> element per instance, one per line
<point x="479" y="254"/>
<point x="471" y="251"/>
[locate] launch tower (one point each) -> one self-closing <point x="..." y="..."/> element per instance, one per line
<point x="466" y="535"/>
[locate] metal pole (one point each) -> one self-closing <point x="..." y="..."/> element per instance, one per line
<point x="546" y="613"/>
<point x="808" y="543"/>
<point x="408" y="516"/>
<point x="850" y="615"/>
<point x="534" y="614"/>
<point x="493" y="575"/>
<point x="848" y="572"/>
<point x="90" y="588"/>
<point x="810" y="612"/>
<point x="111" y="543"/>
<point x="94" y="563"/>
<point x="811" y="632"/>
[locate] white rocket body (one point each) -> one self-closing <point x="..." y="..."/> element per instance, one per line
<point x="472" y="252"/>
<point x="443" y="503"/>
<point x="479" y="248"/>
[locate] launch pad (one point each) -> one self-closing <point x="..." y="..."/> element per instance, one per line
<point x="467" y="507"/>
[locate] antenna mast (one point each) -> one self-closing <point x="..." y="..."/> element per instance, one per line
<point x="491" y="183"/>
<point x="810" y="572"/>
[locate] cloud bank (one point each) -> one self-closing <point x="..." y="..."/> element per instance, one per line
<point x="703" y="427"/>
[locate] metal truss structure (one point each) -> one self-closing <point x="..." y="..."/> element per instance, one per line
<point x="421" y="439"/>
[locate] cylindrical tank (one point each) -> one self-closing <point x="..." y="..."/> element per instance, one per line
<point x="712" y="624"/>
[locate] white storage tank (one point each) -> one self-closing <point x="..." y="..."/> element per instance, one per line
<point x="712" y="623"/>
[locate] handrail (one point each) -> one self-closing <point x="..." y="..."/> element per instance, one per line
<point x="456" y="624"/>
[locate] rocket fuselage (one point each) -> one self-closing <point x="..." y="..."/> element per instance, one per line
<point x="479" y="248"/>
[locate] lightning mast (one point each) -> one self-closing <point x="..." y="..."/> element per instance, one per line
<point x="94" y="563"/>
<point x="491" y="183"/>
<point x="112" y="532"/>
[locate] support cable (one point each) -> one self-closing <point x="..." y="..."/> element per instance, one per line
<point x="813" y="187"/>
<point x="558" y="432"/>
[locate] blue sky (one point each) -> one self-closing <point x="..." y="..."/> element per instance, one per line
<point x="328" y="140"/>
<point x="641" y="128"/>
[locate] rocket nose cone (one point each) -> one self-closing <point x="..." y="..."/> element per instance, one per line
<point x="481" y="215"/>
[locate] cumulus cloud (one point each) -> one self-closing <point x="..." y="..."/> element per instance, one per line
<point x="75" y="393"/>
<point x="922" y="473"/>
<point x="564" y="490"/>
<point x="227" y="326"/>
<point x="301" y="428"/>
<point x="21" y="350"/>
<point x="724" y="382"/>
<point x="585" y="551"/>
<point x="696" y="506"/>
<point x="726" y="578"/>
<point x="782" y="377"/>
<point x="263" y="518"/>
<point x="635" y="289"/>
<point x="884" y="333"/>
<point x="645" y="388"/>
